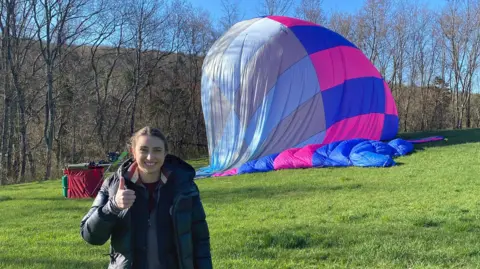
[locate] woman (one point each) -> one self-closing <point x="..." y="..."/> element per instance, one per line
<point x="151" y="211"/>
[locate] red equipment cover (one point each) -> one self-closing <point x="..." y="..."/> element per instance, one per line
<point x="83" y="183"/>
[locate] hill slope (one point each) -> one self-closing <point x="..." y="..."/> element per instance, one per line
<point x="422" y="213"/>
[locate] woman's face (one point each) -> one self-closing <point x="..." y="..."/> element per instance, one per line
<point x="149" y="152"/>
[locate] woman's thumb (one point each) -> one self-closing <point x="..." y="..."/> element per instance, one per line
<point x="121" y="184"/>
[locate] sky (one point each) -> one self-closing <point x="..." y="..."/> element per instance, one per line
<point x="250" y="7"/>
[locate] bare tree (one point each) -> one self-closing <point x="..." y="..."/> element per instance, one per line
<point x="199" y="35"/>
<point x="311" y="10"/>
<point x="59" y="25"/>
<point x="344" y="24"/>
<point x="17" y="34"/>
<point x="420" y="32"/>
<point x="459" y="23"/>
<point x="20" y="33"/>
<point x="372" y="28"/>
<point x="7" y="94"/>
<point x="400" y="37"/>
<point x="231" y="14"/>
<point x="105" y="52"/>
<point x="275" y="7"/>
<point x="148" y="24"/>
<point x="473" y="19"/>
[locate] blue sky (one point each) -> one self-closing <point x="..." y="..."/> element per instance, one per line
<point x="250" y="7"/>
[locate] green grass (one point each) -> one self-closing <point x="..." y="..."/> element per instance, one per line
<point x="423" y="213"/>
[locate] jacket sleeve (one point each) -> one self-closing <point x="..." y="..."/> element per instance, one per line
<point x="200" y="236"/>
<point x="96" y="226"/>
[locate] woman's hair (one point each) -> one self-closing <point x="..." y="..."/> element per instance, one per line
<point x="147" y="130"/>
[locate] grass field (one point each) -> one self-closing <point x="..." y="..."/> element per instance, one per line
<point x="423" y="213"/>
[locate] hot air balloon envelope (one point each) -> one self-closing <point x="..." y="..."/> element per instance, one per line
<point x="276" y="83"/>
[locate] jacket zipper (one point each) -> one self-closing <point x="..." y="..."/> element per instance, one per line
<point x="157" y="198"/>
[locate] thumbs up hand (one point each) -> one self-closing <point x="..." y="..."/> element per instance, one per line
<point x="124" y="197"/>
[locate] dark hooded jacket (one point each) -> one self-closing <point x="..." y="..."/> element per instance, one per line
<point x="127" y="229"/>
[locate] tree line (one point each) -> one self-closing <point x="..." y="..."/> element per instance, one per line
<point x="79" y="76"/>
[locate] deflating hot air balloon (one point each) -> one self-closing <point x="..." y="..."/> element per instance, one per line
<point x="278" y="85"/>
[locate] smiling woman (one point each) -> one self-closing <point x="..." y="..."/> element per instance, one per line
<point x="151" y="210"/>
<point x="149" y="148"/>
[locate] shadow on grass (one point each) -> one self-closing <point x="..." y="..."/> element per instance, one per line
<point x="293" y="237"/>
<point x="21" y="187"/>
<point x="50" y="263"/>
<point x="5" y="198"/>
<point x="31" y="184"/>
<point x="199" y="162"/>
<point x="453" y="137"/>
<point x="269" y="192"/>
<point x="59" y="198"/>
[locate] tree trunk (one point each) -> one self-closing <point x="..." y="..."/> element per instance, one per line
<point x="11" y="139"/>
<point x="31" y="161"/>
<point x="50" y="120"/>
<point x="74" y="142"/>
<point x="22" y="126"/>
<point x="132" y="118"/>
<point x="468" y="123"/>
<point x="5" y="134"/>
<point x="138" y="66"/>
<point x="23" y="133"/>
<point x="405" y="121"/>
